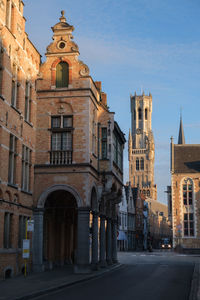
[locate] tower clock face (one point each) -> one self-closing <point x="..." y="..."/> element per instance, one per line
<point x="138" y="131"/>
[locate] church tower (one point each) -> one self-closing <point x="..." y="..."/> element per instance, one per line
<point x="141" y="146"/>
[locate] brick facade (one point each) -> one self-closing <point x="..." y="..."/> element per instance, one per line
<point x="32" y="172"/>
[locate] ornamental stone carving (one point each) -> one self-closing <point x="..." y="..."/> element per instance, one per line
<point x="84" y="71"/>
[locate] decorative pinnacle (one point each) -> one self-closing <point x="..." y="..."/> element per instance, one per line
<point x="62" y="18"/>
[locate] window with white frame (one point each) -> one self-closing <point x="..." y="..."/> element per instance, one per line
<point x="12" y="160"/>
<point x="188" y="224"/>
<point x="188" y="209"/>
<point x="94" y="134"/>
<point x="104" y="142"/>
<point x="15" y="87"/>
<point x="28" y="95"/>
<point x="7" y="241"/>
<point x="61" y="139"/>
<point x="26" y="168"/>
<point x="118" y="151"/>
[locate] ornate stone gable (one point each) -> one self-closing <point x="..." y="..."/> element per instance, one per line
<point x="63" y="46"/>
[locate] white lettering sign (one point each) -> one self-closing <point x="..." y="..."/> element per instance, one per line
<point x="26" y="249"/>
<point x="30" y="225"/>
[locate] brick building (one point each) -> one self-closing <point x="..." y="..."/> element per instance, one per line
<point x="19" y="62"/>
<point x="61" y="153"/>
<point x="185" y="191"/>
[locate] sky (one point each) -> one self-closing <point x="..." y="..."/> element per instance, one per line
<point x="134" y="46"/>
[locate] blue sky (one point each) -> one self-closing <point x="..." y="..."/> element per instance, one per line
<point x="134" y="45"/>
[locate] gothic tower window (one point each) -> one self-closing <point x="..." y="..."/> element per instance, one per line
<point x="146" y="114"/>
<point x="134" y="115"/>
<point x="139" y="114"/>
<point x="188" y="210"/>
<point x="62" y="75"/>
<point x="142" y="163"/>
<point x="137" y="164"/>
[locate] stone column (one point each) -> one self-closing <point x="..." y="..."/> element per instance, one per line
<point x="95" y="239"/>
<point x="82" y="251"/>
<point x="38" y="241"/>
<point x="109" y="242"/>
<point x="102" y="241"/>
<point x="114" y="241"/>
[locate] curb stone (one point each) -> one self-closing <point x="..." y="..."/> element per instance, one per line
<point x="62" y="286"/>
<point x="195" y="284"/>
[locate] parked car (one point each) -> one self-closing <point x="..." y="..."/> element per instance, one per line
<point x="165" y="243"/>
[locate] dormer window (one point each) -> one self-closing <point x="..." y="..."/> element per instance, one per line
<point x="62" y="75"/>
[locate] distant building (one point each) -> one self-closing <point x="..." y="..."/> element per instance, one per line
<point x="159" y="223"/>
<point x="141" y="148"/>
<point x="139" y="218"/>
<point x="185" y="191"/>
<point x="131" y="210"/>
<point x="122" y="238"/>
<point x="169" y="203"/>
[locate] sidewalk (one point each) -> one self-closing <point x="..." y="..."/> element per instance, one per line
<point x="21" y="288"/>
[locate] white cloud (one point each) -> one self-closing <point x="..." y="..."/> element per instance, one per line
<point x="142" y="54"/>
<point x="192" y="125"/>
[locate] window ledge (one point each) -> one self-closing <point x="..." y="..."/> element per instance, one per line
<point x="94" y="155"/>
<point x="61" y="129"/>
<point x="27" y="192"/>
<point x="8" y="250"/>
<point x="15" y="186"/>
<point x="117" y="167"/>
<point x="104" y="159"/>
<point x="2" y="97"/>
<point x="17" y="110"/>
<point x="29" y="123"/>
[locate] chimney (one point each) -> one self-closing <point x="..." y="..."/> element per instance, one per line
<point x="98" y="85"/>
<point x="104" y="98"/>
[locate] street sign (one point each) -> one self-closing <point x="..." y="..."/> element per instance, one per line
<point x="30" y="225"/>
<point x="26" y="249"/>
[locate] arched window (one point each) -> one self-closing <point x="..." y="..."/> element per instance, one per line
<point x="142" y="163"/>
<point x="137" y="164"/>
<point x="188" y="211"/>
<point x="134" y="115"/>
<point x="62" y="74"/>
<point x="139" y="114"/>
<point x="146" y="114"/>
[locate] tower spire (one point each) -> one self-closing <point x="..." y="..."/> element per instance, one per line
<point x="181" y="137"/>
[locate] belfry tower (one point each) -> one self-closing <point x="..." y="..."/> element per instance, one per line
<point x="141" y="146"/>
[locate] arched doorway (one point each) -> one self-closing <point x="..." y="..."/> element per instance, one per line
<point x="60" y="229"/>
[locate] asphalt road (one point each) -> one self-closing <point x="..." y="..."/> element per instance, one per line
<point x="156" y="276"/>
